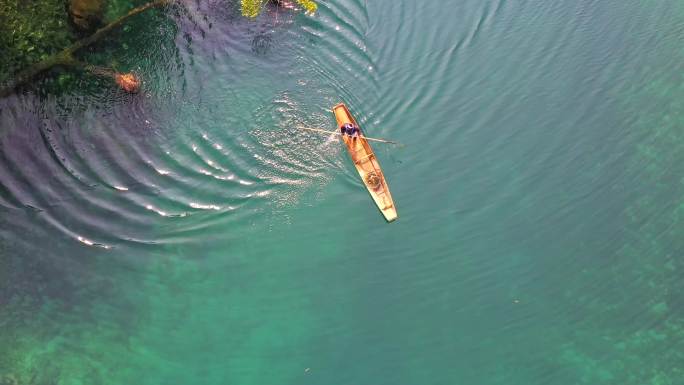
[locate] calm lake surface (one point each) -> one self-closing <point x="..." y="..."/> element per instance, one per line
<point x="193" y="234"/>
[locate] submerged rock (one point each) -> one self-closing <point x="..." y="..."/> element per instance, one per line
<point x="87" y="14"/>
<point x="9" y="380"/>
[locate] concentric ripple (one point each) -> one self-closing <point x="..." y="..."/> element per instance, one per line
<point x="215" y="135"/>
<point x="107" y="169"/>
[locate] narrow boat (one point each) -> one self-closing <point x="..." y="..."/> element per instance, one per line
<point x="366" y="164"/>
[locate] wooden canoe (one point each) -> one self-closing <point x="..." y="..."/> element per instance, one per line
<point x="366" y="164"/>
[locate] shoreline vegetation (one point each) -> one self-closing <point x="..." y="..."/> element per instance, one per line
<point x="78" y="10"/>
<point x="66" y="57"/>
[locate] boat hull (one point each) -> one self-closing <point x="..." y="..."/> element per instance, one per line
<point x="366" y="165"/>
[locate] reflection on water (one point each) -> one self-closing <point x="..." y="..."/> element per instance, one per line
<point x="191" y="233"/>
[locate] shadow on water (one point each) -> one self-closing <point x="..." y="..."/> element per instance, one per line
<point x="103" y="191"/>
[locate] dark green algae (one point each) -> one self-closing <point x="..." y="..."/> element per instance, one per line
<point x="31" y="31"/>
<point x="633" y="332"/>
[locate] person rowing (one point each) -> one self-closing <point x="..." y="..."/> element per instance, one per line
<point x="351" y="130"/>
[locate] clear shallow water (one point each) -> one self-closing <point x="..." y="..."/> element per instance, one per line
<point x="191" y="234"/>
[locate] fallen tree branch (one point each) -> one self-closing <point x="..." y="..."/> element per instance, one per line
<point x="66" y="56"/>
<point x="115" y="24"/>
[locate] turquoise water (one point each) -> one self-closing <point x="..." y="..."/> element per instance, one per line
<point x="192" y="234"/>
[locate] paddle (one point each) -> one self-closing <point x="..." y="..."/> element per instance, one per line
<point x="340" y="134"/>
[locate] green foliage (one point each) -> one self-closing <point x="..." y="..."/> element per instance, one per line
<point x="30" y="31"/>
<point x="251" y="8"/>
<point x="308" y="5"/>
